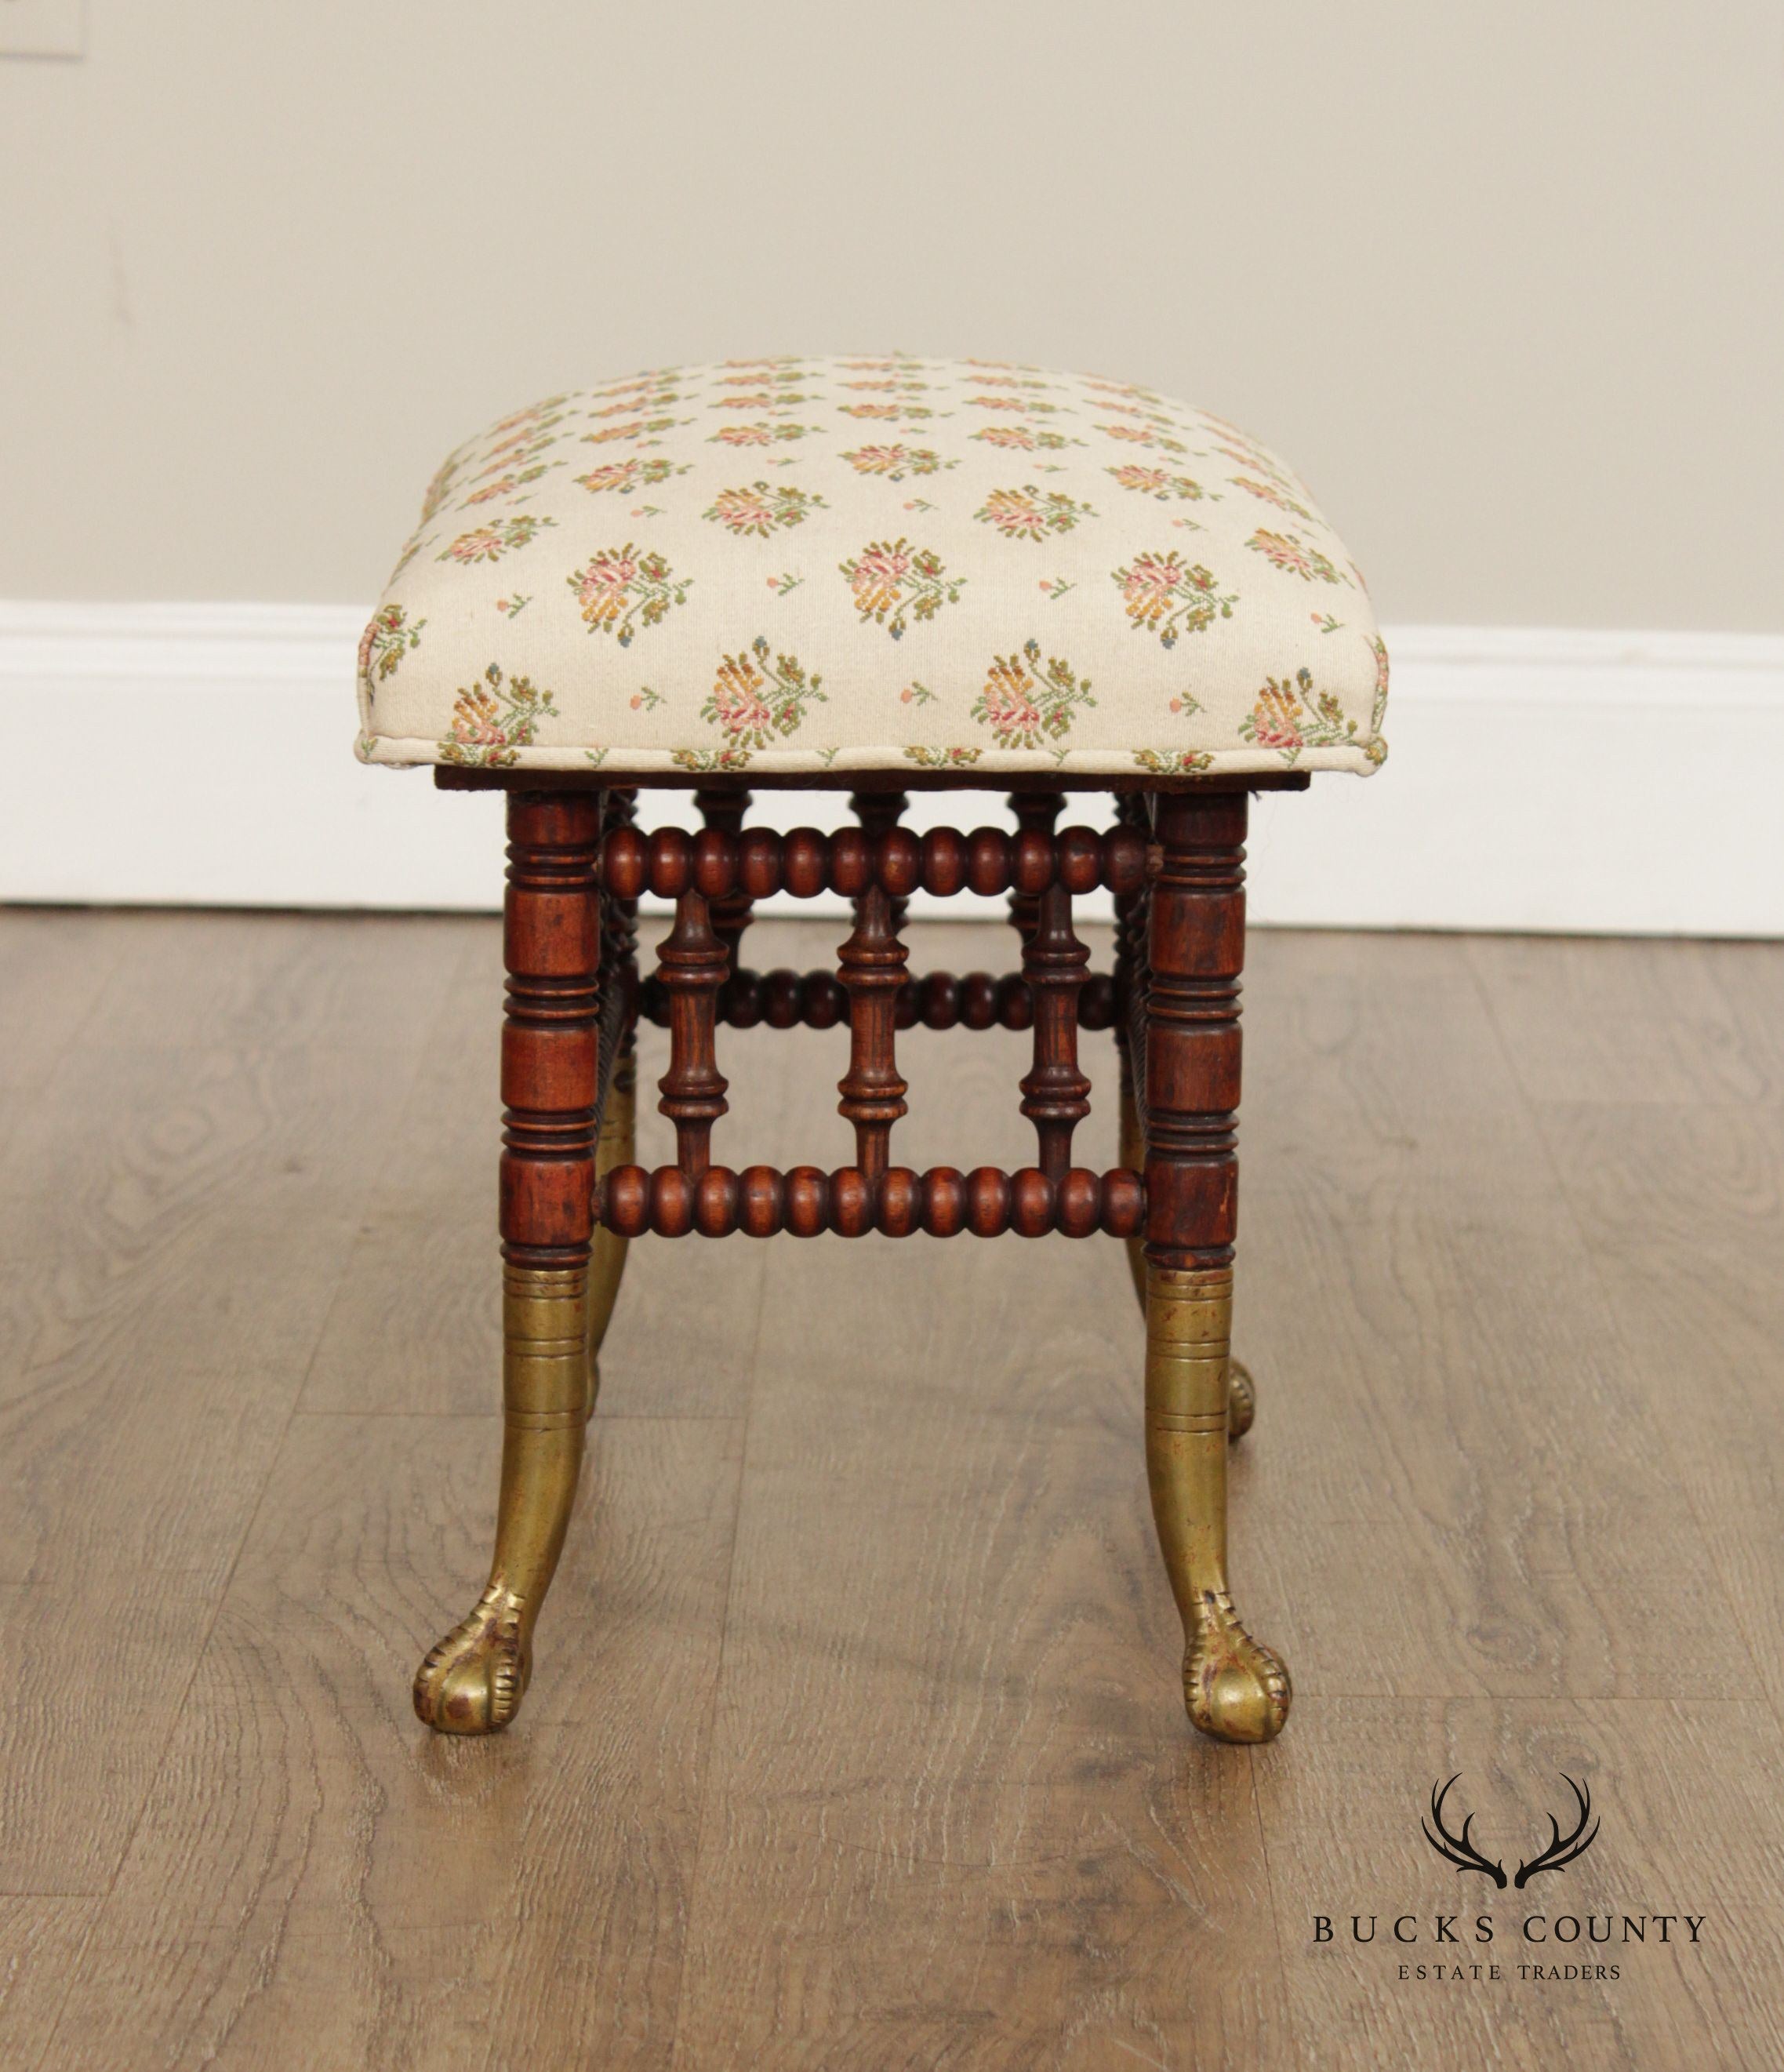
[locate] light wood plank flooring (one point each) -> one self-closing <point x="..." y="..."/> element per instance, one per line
<point x="856" y="1739"/>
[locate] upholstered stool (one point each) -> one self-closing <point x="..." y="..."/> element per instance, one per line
<point x="872" y="574"/>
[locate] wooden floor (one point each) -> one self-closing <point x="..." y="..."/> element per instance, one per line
<point x="856" y="1738"/>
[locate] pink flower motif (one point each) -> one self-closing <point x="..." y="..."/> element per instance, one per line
<point x="482" y="546"/>
<point x="602" y="588"/>
<point x="477" y="733"/>
<point x="1009" y="707"/>
<point x="877" y="460"/>
<point x="617" y="475"/>
<point x="1147" y="584"/>
<point x="1275" y="717"/>
<point x="1293" y="556"/>
<point x="877" y="573"/>
<point x="742" y="511"/>
<point x="740" y="707"/>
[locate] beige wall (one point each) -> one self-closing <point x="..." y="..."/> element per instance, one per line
<point x="1504" y="282"/>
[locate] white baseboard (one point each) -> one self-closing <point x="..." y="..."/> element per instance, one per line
<point x="1589" y="782"/>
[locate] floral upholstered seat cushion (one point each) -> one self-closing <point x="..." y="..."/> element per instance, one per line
<point x="892" y="563"/>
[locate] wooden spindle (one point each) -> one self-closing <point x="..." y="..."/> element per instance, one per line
<point x="1037" y="813"/>
<point x="879" y="813"/>
<point x="692" y="966"/>
<point x="1056" y="1092"/>
<point x="871" y="967"/>
<point x="805" y="863"/>
<point x="722" y="808"/>
<point x="805" y="1202"/>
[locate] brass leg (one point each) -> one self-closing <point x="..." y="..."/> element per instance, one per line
<point x="472" y="1682"/>
<point x="1242" y="1391"/>
<point x="608" y="1261"/>
<point x="1234" y="1688"/>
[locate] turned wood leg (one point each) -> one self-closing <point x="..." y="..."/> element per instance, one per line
<point x="1241" y="1390"/>
<point x="616" y="1146"/>
<point x="1234" y="1688"/>
<point x="473" y="1681"/>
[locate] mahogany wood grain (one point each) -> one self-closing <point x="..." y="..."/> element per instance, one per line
<point x="879" y="812"/>
<point x="785" y="999"/>
<point x="1195" y="949"/>
<point x="805" y="861"/>
<point x="692" y="962"/>
<point x="1037" y="813"/>
<point x="721" y="809"/>
<point x="550" y="1039"/>
<point x="872" y="970"/>
<point x="805" y="1201"/>
<point x="1055" y="1090"/>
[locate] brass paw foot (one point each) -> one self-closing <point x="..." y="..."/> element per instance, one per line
<point x="472" y="1682"/>
<point x="1241" y="1400"/>
<point x="1234" y="1688"/>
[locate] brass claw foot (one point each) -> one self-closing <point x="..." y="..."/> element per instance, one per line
<point x="472" y="1681"/>
<point x="1234" y="1688"/>
<point x="1241" y="1400"/>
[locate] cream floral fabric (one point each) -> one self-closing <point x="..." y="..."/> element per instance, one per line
<point x="810" y="565"/>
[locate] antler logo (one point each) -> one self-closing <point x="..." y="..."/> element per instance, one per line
<point x="1562" y="1850"/>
